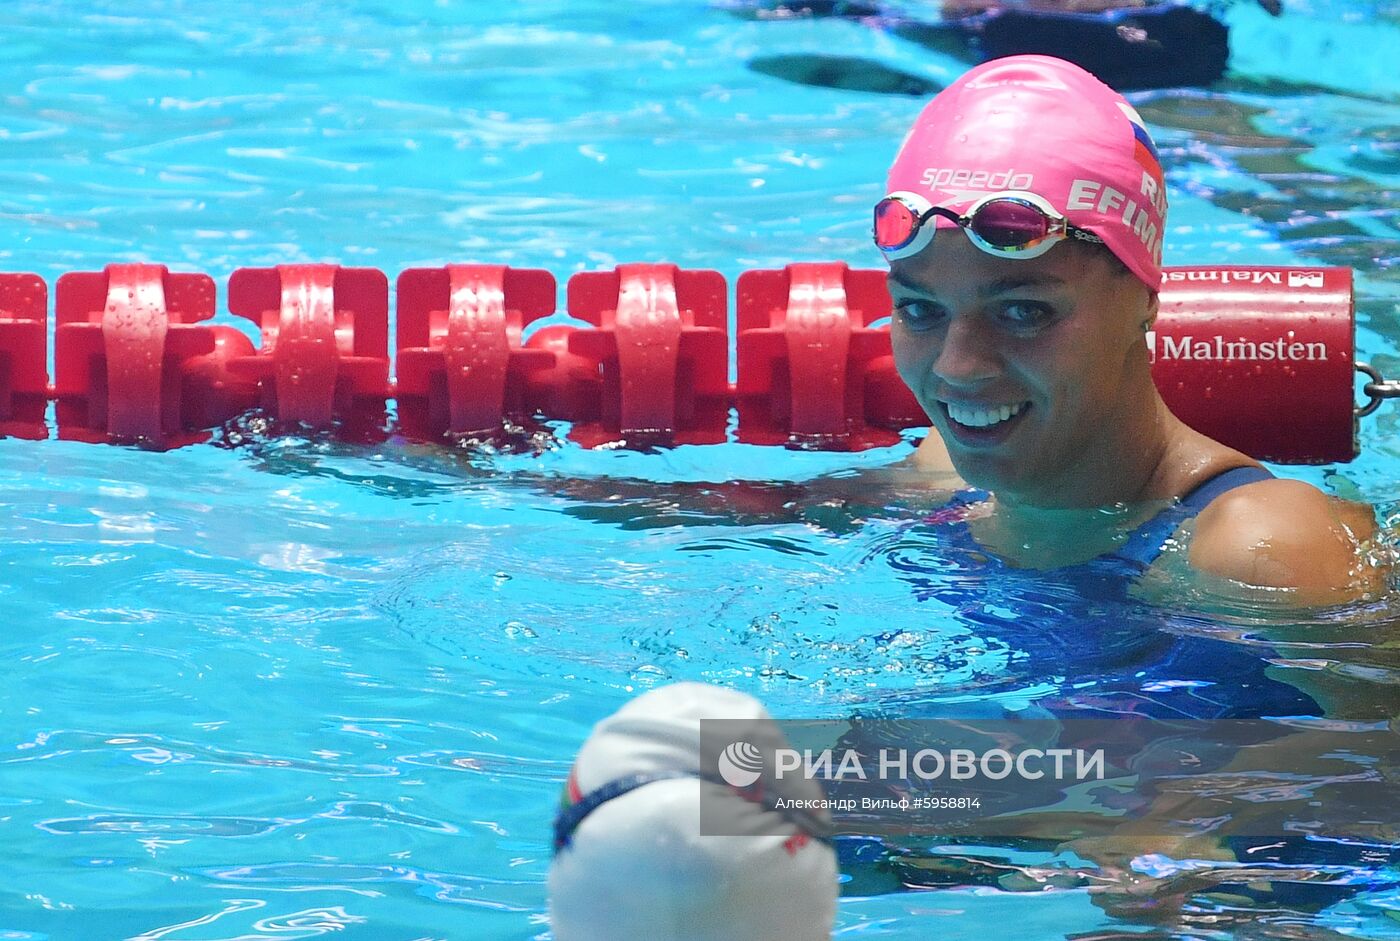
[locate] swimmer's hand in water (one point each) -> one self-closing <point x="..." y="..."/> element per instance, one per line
<point x="1124" y="891"/>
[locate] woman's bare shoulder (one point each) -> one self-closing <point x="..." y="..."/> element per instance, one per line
<point x="1287" y="534"/>
<point x="931" y="461"/>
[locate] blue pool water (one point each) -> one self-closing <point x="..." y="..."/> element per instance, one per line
<point x="297" y="687"/>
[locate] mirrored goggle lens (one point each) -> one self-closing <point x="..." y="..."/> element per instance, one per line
<point x="1005" y="223"/>
<point x="895" y="224"/>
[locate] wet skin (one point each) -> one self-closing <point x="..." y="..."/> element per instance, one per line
<point x="1035" y="374"/>
<point x="1060" y="338"/>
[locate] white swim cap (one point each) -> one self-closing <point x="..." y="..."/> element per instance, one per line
<point x="636" y="866"/>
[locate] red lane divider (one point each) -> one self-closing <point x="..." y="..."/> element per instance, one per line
<point x="811" y="368"/>
<point x="1260" y="358"/>
<point x="132" y="359"/>
<point x="461" y="368"/>
<point x="325" y="341"/>
<point x="660" y="348"/>
<point x="24" y="315"/>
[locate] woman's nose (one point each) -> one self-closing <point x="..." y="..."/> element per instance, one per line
<point x="969" y="353"/>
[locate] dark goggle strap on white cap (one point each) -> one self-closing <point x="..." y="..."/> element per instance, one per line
<point x="569" y="818"/>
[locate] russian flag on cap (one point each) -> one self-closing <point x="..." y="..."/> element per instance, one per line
<point x="1144" y="150"/>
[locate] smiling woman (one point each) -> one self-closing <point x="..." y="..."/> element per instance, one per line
<point x="1025" y="341"/>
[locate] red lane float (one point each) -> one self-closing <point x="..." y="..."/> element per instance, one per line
<point x="1259" y="358"/>
<point x="325" y="341"/>
<point x="812" y="369"/>
<point x="133" y="360"/>
<point x="24" y="315"/>
<point x="659" y="347"/>
<point x="461" y="368"/>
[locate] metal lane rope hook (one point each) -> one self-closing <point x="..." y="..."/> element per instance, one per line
<point x="1378" y="389"/>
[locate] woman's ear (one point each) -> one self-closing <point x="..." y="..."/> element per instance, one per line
<point x="1153" y="303"/>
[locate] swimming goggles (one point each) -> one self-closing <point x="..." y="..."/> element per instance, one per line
<point x="571" y="816"/>
<point x="1009" y="224"/>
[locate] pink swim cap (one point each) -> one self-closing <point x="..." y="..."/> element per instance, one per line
<point x="1042" y="125"/>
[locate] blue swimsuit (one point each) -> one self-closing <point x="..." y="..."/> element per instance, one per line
<point x="1145" y="543"/>
<point x="1078" y="646"/>
<point x="1078" y="625"/>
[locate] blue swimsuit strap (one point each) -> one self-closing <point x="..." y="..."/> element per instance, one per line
<point x="1147" y="541"/>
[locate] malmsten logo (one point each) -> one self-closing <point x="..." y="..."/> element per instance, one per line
<point x="1219" y="349"/>
<point x="1297" y="278"/>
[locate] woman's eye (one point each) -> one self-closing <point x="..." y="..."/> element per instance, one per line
<point x="919" y="315"/>
<point x="1026" y="315"/>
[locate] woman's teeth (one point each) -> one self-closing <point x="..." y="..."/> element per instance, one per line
<point x="982" y="417"/>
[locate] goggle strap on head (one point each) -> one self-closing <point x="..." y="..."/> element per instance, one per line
<point x="569" y="818"/>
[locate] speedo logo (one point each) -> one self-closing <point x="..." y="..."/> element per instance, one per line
<point x="1219" y="349"/>
<point x="936" y="178"/>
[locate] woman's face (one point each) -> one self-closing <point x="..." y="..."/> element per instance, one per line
<point x="1031" y="370"/>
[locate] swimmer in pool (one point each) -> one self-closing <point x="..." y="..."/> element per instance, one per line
<point x="1023" y="225"/>
<point x="630" y="860"/>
